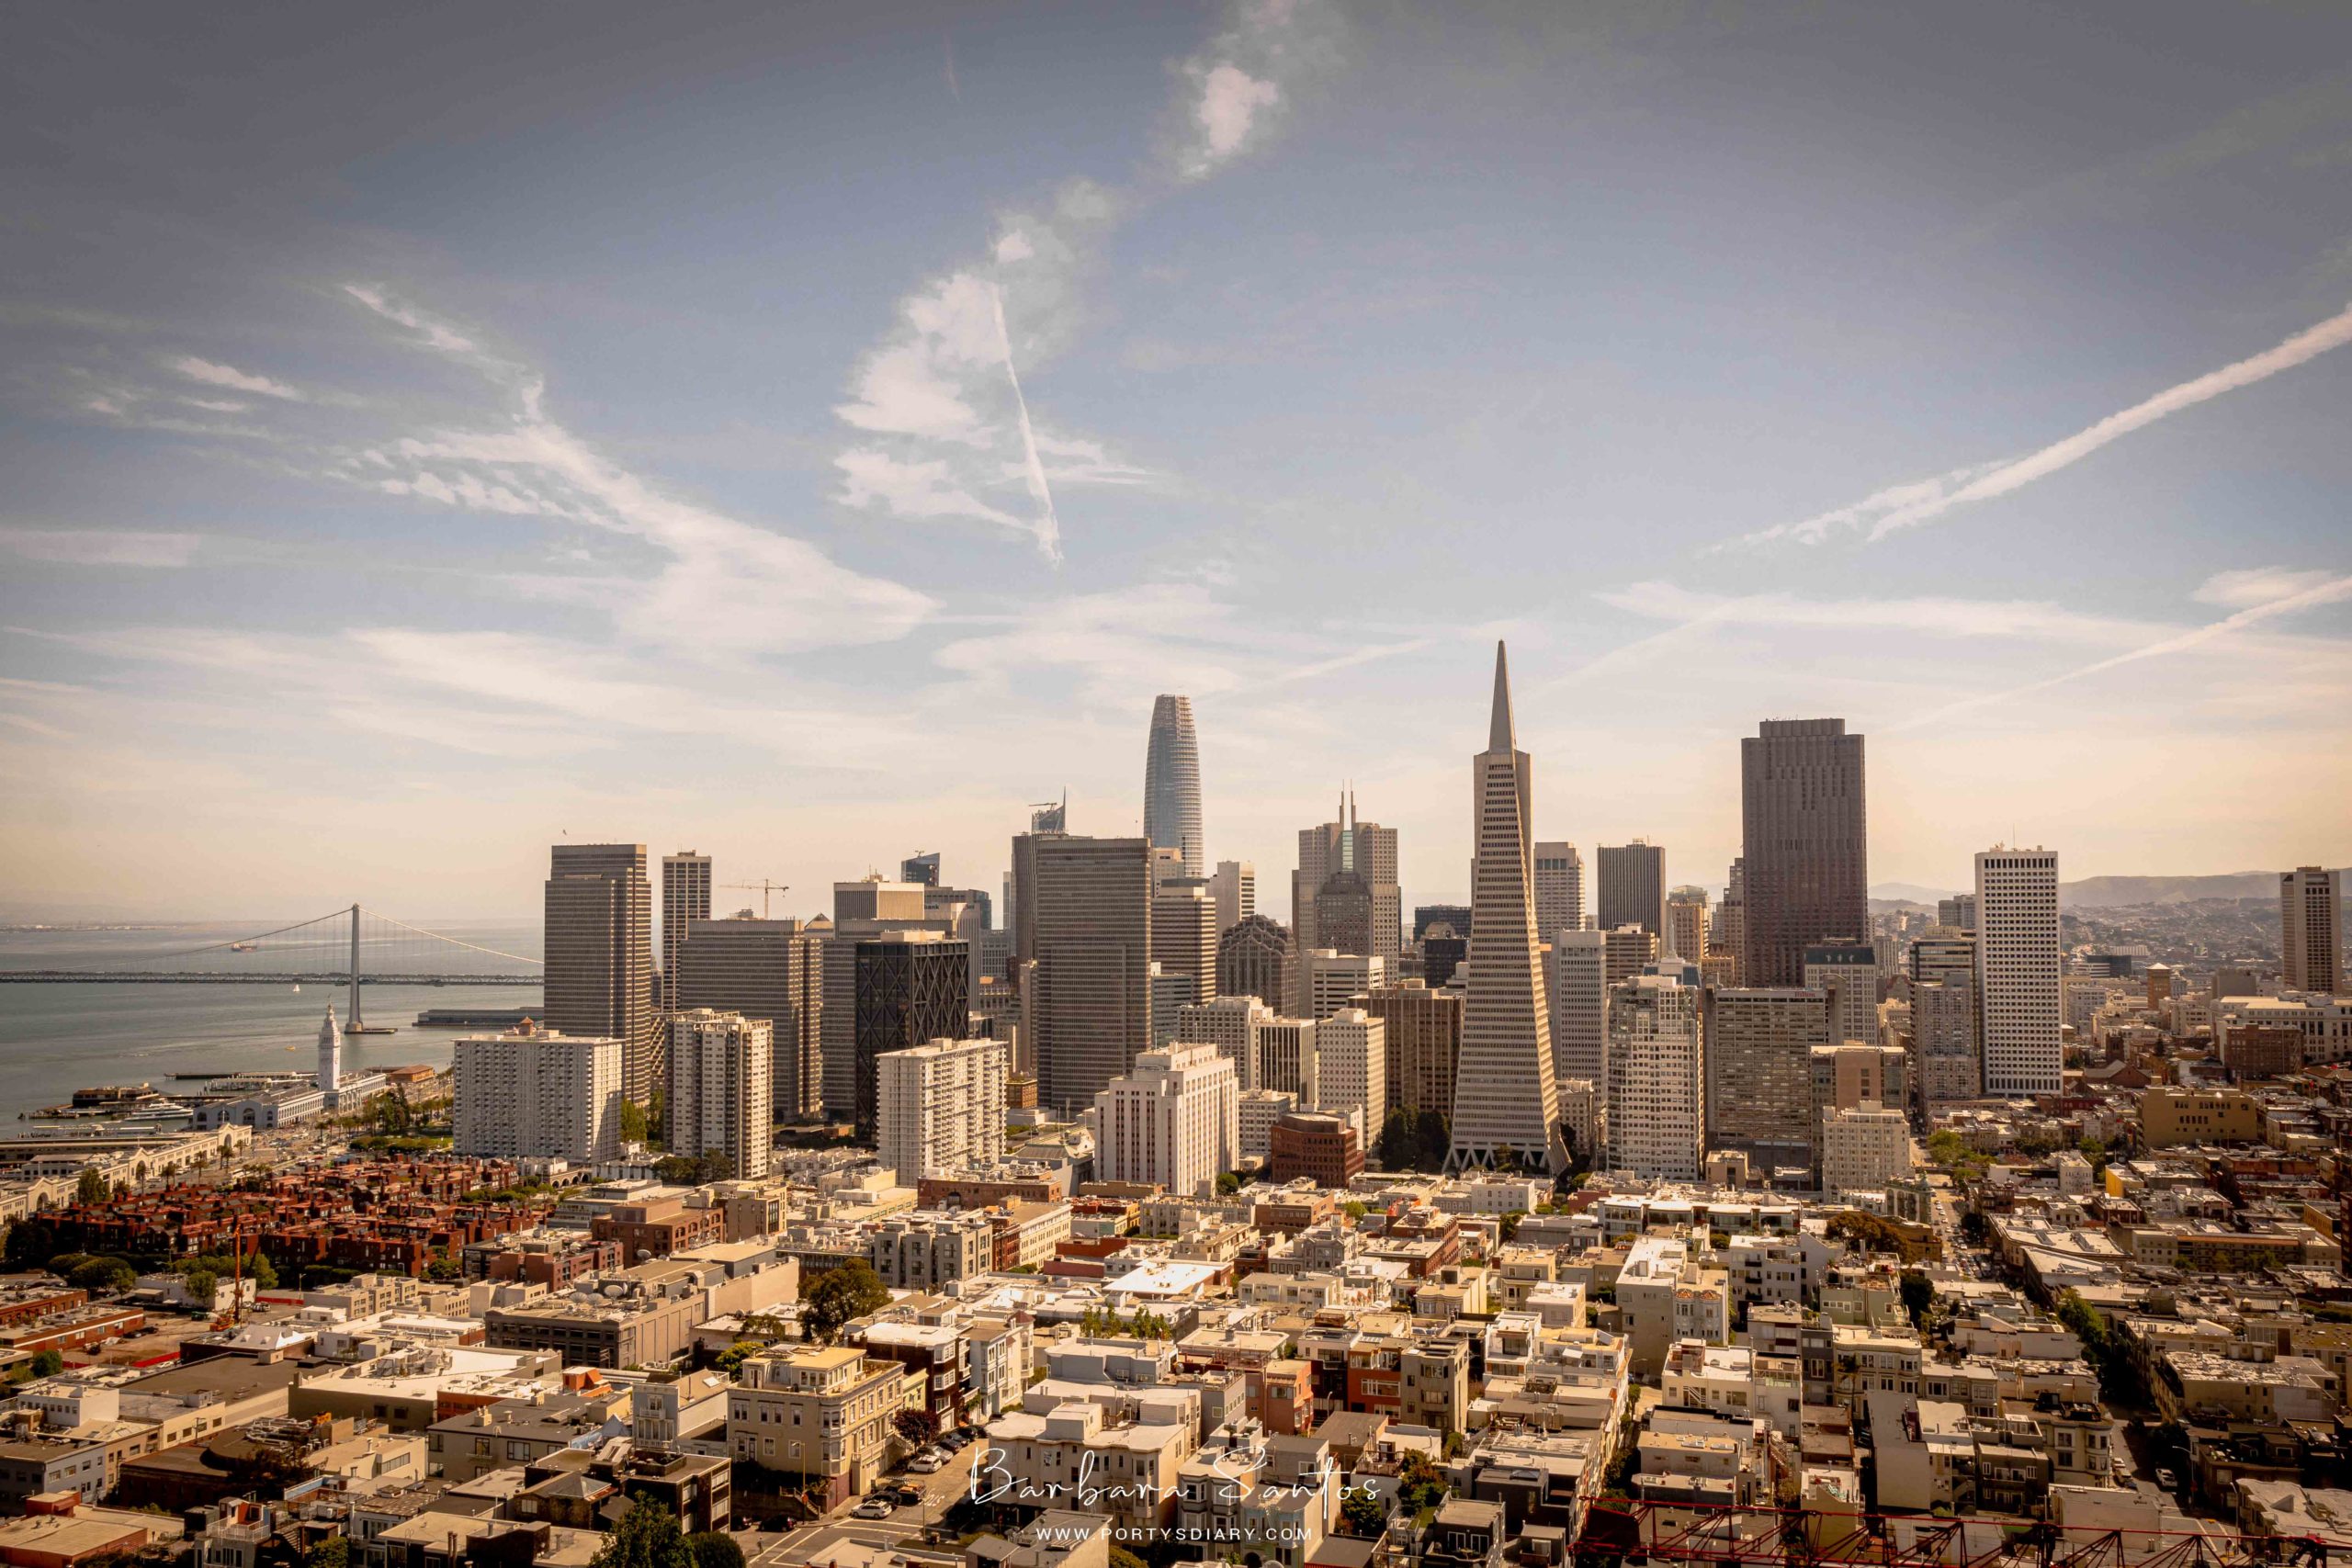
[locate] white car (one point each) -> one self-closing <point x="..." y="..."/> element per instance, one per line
<point x="925" y="1462"/>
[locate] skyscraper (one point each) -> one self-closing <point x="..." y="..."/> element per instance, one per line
<point x="766" y="969"/>
<point x="1760" y="1045"/>
<point x="599" y="926"/>
<point x="1366" y="849"/>
<point x="1255" y="959"/>
<point x="722" y="1079"/>
<point x="1686" y="921"/>
<point x="685" y="897"/>
<point x="1172" y="783"/>
<point x="2018" y="962"/>
<point x="1184" y="935"/>
<point x="1657" y="1079"/>
<point x="1559" y="888"/>
<point x="533" y="1093"/>
<point x="1847" y="971"/>
<point x="1504" y="1094"/>
<point x="1423" y="1029"/>
<point x="910" y="991"/>
<point x="1804" y="841"/>
<point x="940" y="1107"/>
<point x="1090" y="915"/>
<point x="1959" y="911"/>
<point x="2310" y="932"/>
<point x="1633" y="888"/>
<point x="1728" y="928"/>
<point x="1352" y="1067"/>
<point x="1330" y="980"/>
<point x="923" y="868"/>
<point x="1233" y="886"/>
<point x="1580" y="995"/>
<point x="1231" y="1025"/>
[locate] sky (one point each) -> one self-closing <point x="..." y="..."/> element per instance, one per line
<point x="811" y="434"/>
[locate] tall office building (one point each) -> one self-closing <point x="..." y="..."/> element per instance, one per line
<point x="599" y="935"/>
<point x="722" y="1079"/>
<point x="1090" y="993"/>
<point x="1504" y="1094"/>
<point x="1287" y="1057"/>
<point x="534" y="1093"/>
<point x="1579" y="997"/>
<point x="764" y="969"/>
<point x="1172" y="783"/>
<point x="1686" y="921"/>
<point x="1806" y="842"/>
<point x="1366" y="849"/>
<point x="2018" y="962"/>
<point x="1626" y="950"/>
<point x="1231" y="1025"/>
<point x="1173" y="1119"/>
<point x="940" y="1107"/>
<point x="1728" y="928"/>
<point x="2310" y="941"/>
<point x="910" y="989"/>
<point x="963" y="914"/>
<point x="1443" y="950"/>
<point x="872" y="898"/>
<point x="1184" y="935"/>
<point x="1233" y="887"/>
<point x="1848" y="972"/>
<point x="923" y="868"/>
<point x="1657" y="1079"/>
<point x="1255" y="959"/>
<point x="1427" y="916"/>
<point x="1559" y="888"/>
<point x="1352" y="1067"/>
<point x="868" y="907"/>
<point x="1021" y="903"/>
<point x="1633" y="886"/>
<point x="1959" y="911"/>
<point x="685" y="898"/>
<point x="1760" y="1043"/>
<point x="1332" y="980"/>
<point x="1423" y="1031"/>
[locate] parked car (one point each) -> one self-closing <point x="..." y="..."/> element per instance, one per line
<point x="2166" y="1481"/>
<point x="874" y="1508"/>
<point x="925" y="1462"/>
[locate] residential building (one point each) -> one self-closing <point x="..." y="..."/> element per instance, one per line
<point x="1943" y="1043"/>
<point x="1759" y="1041"/>
<point x="930" y="1249"/>
<point x="824" y="1415"/>
<point x="2018" y="966"/>
<point x="1352" y="1066"/>
<point x="940" y="1107"/>
<point x="1866" y="1150"/>
<point x="1657" y="1097"/>
<point x="722" y="1081"/>
<point x="536" y="1093"/>
<point x="1315" y="1145"/>
<point x="1848" y="973"/>
<point x="599" y="956"/>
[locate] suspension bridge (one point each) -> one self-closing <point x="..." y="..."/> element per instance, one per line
<point x="348" y="947"/>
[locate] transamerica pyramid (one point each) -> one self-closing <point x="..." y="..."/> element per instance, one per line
<point x="1504" y="1097"/>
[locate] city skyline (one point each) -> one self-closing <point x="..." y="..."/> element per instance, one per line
<point x="665" y="445"/>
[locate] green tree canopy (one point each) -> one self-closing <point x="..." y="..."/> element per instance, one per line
<point x="103" y="1276"/>
<point x="47" y="1363"/>
<point x="841" y="1294"/>
<point x="91" y="1189"/>
<point x="647" y="1536"/>
<point x="715" y="1549"/>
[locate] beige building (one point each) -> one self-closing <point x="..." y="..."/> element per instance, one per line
<point x="1352" y="1067"/>
<point x="599" y="925"/>
<point x="533" y="1093"/>
<point x="931" y="1248"/>
<point x="2169" y="1116"/>
<point x="770" y="969"/>
<point x="1039" y="1461"/>
<point x="1866" y="1150"/>
<point x="1231" y="1025"/>
<point x="1657" y="1079"/>
<point x="722" y="1083"/>
<point x="2311" y="901"/>
<point x="825" y="1413"/>
<point x="940" y="1107"/>
<point x="1175" y="1121"/>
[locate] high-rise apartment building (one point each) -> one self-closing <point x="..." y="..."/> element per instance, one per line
<point x="1231" y="1025"/>
<point x="2018" y="962"/>
<point x="685" y="898"/>
<point x="2310" y="941"/>
<point x="1173" y="1119"/>
<point x="1423" y="1029"/>
<point x="1233" y="887"/>
<point x="1632" y="886"/>
<point x="1090" y="915"/>
<point x="1559" y="888"/>
<point x="1578" y="991"/>
<point x="1657" y="1079"/>
<point x="1945" y="1069"/>
<point x="599" y="934"/>
<point x="1759" y="1043"/>
<point x="1804" y="843"/>
<point x="722" y="1082"/>
<point x="1504" y="1095"/>
<point x="1847" y="971"/>
<point x="1352" y="1067"/>
<point x="1172" y="783"/>
<point x="939" y="1107"/>
<point x="1332" y="979"/>
<point x="1256" y="958"/>
<point x="764" y="969"/>
<point x="535" y="1093"/>
<point x="910" y="989"/>
<point x="1183" y="934"/>
<point x="1686" y="923"/>
<point x="1367" y="850"/>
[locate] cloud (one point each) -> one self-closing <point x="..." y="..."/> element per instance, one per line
<point x="217" y="405"/>
<point x="1927" y="616"/>
<point x="430" y="332"/>
<point x="1899" y="507"/>
<point x="1240" y="85"/>
<point x="98" y="547"/>
<point x="2257" y="585"/>
<point x="236" y="381"/>
<point x="871" y="477"/>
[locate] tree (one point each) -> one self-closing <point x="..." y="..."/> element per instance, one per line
<point x="840" y="1294"/>
<point x="1366" y="1515"/>
<point x="715" y="1549"/>
<point x="634" y="1128"/>
<point x="918" y="1426"/>
<point x="1421" y="1484"/>
<point x="1437" y="1140"/>
<point x="731" y="1360"/>
<point x="1508" y="1227"/>
<point x="647" y="1536"/>
<point x="1228" y="1182"/>
<point x="330" y="1551"/>
<point x="103" y="1276"/>
<point x="91" y="1189"/>
<point x="1355" y="1209"/>
<point x="1121" y="1558"/>
<point x="203" y="1287"/>
<point x="1918" y="1294"/>
<point x="47" y="1363"/>
<point x="1400" y="1138"/>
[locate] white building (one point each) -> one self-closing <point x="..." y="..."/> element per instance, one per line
<point x="1233" y="886"/>
<point x="1260" y="1109"/>
<point x="722" y="1087"/>
<point x="533" y="1093"/>
<point x="1333" y="980"/>
<point x="1559" y="889"/>
<point x="1352" y="1067"/>
<point x="2018" y="962"/>
<point x="1865" y="1149"/>
<point x="1287" y="1057"/>
<point x="1657" y="1079"/>
<point x="1579" y="997"/>
<point x="1173" y="1120"/>
<point x="940" y="1107"/>
<point x="1231" y="1025"/>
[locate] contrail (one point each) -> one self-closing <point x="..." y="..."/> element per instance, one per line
<point x="1049" y="527"/>
<point x="1898" y="507"/>
<point x="2328" y="592"/>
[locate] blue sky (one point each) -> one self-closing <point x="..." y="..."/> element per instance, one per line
<point x="808" y="433"/>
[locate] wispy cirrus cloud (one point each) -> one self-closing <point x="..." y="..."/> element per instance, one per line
<point x="1920" y="502"/>
<point x="216" y="375"/>
<point x="2250" y="586"/>
<point x="1926" y="617"/>
<point x="101" y="547"/>
<point x="1241" y="83"/>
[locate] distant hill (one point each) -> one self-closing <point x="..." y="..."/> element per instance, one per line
<point x="2109" y="892"/>
<point x="1908" y="893"/>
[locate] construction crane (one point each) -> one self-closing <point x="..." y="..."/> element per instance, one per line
<point x="762" y="888"/>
